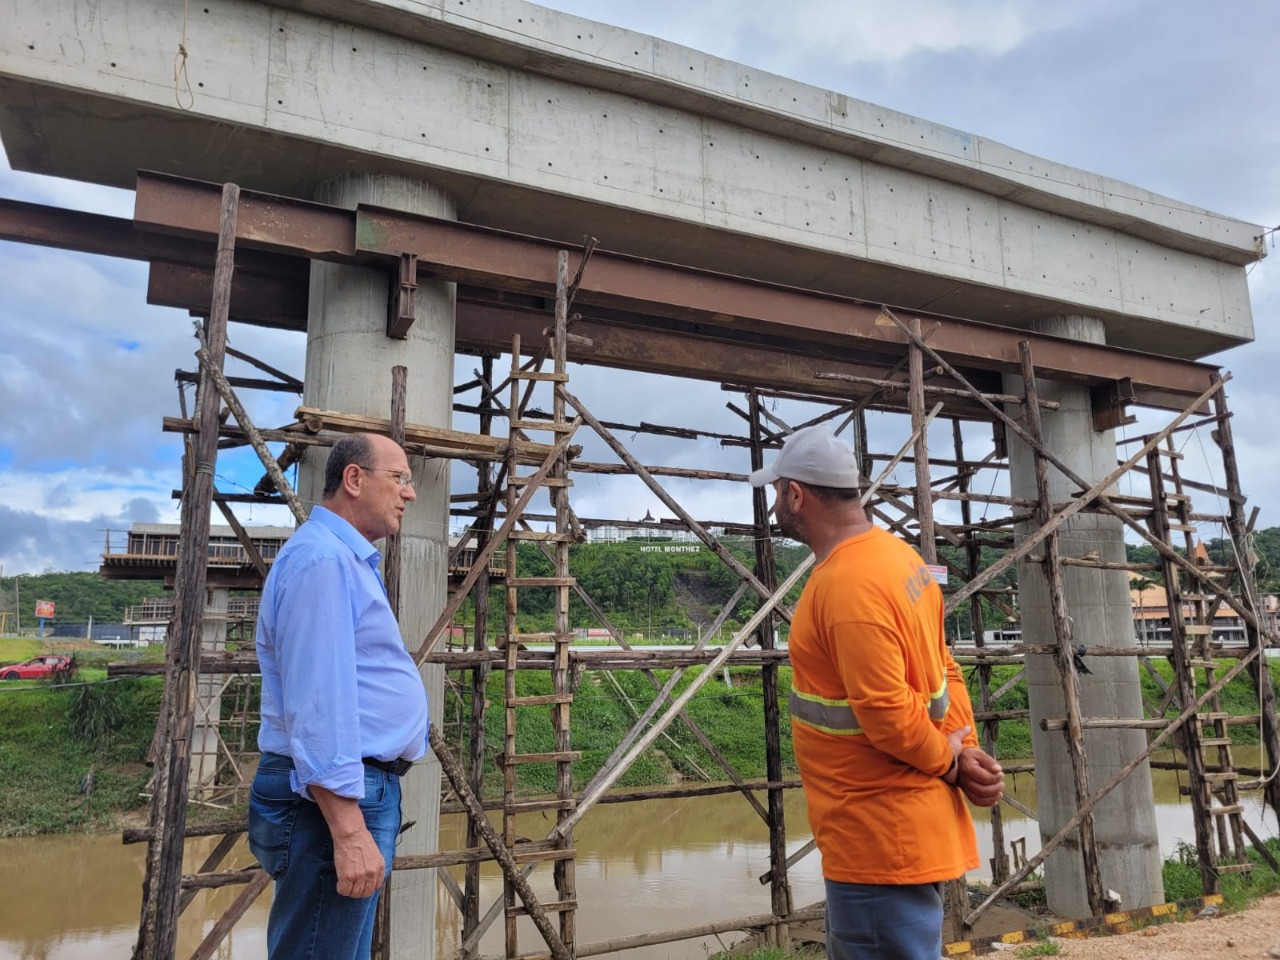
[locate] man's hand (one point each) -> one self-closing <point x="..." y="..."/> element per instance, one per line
<point x="360" y="865"/>
<point x="980" y="776"/>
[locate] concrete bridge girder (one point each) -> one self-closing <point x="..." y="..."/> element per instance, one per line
<point x="539" y="122"/>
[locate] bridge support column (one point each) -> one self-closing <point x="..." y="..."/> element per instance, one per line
<point x="1100" y="612"/>
<point x="348" y="368"/>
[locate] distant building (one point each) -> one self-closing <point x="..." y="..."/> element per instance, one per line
<point x="151" y="553"/>
<point x="646" y="528"/>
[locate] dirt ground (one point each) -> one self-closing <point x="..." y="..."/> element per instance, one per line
<point x="1252" y="933"/>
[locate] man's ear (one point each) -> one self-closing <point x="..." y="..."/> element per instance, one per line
<point x="352" y="477"/>
<point x="794" y="489"/>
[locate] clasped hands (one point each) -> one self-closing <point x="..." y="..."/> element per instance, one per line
<point x="975" y="771"/>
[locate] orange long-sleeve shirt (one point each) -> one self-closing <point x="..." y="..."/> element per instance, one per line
<point x="875" y="692"/>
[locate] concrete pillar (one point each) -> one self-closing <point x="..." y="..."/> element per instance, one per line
<point x="1098" y="604"/>
<point x="348" y="368"/>
<point x="205" y="750"/>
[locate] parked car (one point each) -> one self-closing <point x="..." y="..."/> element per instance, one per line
<point x="44" y="667"/>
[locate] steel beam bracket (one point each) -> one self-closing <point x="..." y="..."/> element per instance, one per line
<point x="404" y="294"/>
<point x="1111" y="404"/>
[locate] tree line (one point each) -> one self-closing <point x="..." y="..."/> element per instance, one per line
<point x="76" y="596"/>
<point x="639" y="588"/>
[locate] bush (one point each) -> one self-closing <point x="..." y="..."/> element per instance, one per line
<point x="97" y="711"/>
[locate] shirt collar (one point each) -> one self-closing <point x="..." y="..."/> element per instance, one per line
<point x="344" y="531"/>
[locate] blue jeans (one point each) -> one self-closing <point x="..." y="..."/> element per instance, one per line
<point x="290" y="837"/>
<point x="868" y="921"/>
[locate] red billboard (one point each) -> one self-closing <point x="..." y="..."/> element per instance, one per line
<point x="44" y="608"/>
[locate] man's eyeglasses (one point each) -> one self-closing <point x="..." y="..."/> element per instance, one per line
<point x="403" y="478"/>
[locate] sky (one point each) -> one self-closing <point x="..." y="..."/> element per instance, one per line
<point x="1173" y="96"/>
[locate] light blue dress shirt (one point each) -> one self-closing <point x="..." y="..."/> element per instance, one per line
<point x="337" y="682"/>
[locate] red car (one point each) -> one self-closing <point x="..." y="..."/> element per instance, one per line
<point x="45" y="666"/>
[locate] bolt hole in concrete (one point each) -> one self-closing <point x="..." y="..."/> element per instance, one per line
<point x="672" y="862"/>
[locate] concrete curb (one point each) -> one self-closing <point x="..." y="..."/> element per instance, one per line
<point x="1113" y="923"/>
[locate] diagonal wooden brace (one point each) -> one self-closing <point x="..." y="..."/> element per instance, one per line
<point x="475" y="810"/>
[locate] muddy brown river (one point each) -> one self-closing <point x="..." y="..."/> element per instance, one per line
<point x="641" y="867"/>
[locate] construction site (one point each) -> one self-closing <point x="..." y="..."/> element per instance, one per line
<point x="981" y="326"/>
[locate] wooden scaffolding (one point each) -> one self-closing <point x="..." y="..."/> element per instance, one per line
<point x="501" y="517"/>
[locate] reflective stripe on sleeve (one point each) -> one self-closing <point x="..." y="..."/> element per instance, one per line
<point x="829" y="716"/>
<point x="939" y="703"/>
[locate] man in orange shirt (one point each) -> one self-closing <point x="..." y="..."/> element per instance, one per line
<point x="881" y="719"/>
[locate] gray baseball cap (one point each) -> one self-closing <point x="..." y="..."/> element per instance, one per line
<point x="815" y="456"/>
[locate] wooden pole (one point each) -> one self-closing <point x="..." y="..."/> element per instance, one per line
<point x="218" y="932"/>
<point x="510" y="870"/>
<point x="1238" y="530"/>
<point x="479" y="676"/>
<point x="391" y="553"/>
<point x="380" y="948"/>
<point x="590" y="798"/>
<point x="956" y="892"/>
<point x="924" y="492"/>
<point x="767" y="570"/>
<point x="161" y="886"/>
<point x="990" y="729"/>
<point x="1052" y="570"/>
<point x="1087" y="807"/>
<point x="245" y="540"/>
<point x="1184" y="681"/>
<point x="219" y="382"/>
<point x="564" y="870"/>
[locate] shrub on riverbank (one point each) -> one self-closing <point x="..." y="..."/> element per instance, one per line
<point x="73" y="760"/>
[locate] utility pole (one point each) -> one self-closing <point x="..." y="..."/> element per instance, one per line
<point x="17" y="604"/>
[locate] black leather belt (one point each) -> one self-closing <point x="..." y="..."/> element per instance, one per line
<point x="398" y="767"/>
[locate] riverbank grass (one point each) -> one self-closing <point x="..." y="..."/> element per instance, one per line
<point x="72" y="757"/>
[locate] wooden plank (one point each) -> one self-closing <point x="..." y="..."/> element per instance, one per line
<point x="548" y="425"/>
<point x="552" y="906"/>
<point x="540" y="700"/>
<point x="316" y="420"/>
<point x="550" y="757"/>
<point x="533" y="806"/>
<point x="544" y="856"/>
<point x="542" y="536"/>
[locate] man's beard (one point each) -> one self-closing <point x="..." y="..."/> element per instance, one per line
<point x="788" y="523"/>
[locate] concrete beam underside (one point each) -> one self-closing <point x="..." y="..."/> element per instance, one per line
<point x="289" y="99"/>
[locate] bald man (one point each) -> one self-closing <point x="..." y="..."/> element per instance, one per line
<point x="344" y="713"/>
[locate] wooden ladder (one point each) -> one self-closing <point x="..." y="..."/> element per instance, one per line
<point x="1217" y="781"/>
<point x="561" y="698"/>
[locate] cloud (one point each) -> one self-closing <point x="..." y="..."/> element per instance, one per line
<point x="32" y="542"/>
<point x="836" y="32"/>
